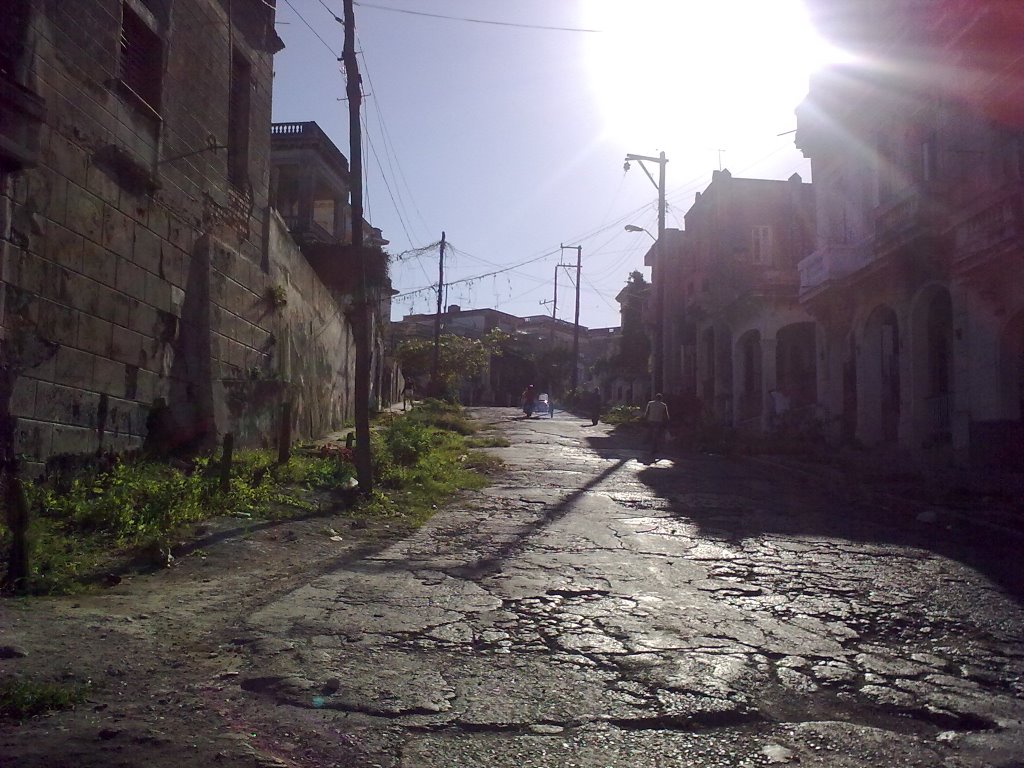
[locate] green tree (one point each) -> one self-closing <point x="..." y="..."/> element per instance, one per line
<point x="459" y="359"/>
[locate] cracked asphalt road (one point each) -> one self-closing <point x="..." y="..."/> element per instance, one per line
<point x="590" y="609"/>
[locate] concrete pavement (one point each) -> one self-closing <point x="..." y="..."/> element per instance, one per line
<point x="591" y="609"/>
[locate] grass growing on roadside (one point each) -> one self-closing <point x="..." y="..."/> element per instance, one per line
<point x="22" y="699"/>
<point x="424" y="458"/>
<point x="621" y="414"/>
<point x="90" y="520"/>
<point x="443" y="416"/>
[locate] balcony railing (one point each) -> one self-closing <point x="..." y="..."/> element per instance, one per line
<point x="308" y="128"/>
<point x="308" y="230"/>
<point x="308" y="135"/>
<point x="909" y="219"/>
<point x="997" y="226"/>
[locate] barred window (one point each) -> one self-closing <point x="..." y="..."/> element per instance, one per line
<point x="141" y="58"/>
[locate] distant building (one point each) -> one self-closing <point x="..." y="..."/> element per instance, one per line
<point x="471" y="323"/>
<point x="623" y="364"/>
<point x="734" y="330"/>
<point x="309" y="188"/>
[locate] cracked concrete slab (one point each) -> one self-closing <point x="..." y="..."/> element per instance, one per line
<point x="592" y="610"/>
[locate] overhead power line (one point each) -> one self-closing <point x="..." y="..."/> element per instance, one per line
<point x="475" y="21"/>
<point x="311" y="29"/>
<point x="477" y="277"/>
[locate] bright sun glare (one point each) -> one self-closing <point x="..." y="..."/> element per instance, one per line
<point x="704" y="72"/>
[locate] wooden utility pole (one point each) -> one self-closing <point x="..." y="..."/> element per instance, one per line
<point x="361" y="311"/>
<point x="437" y="322"/>
<point x="575" y="378"/>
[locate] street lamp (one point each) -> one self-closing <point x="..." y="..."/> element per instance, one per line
<point x="635" y="228"/>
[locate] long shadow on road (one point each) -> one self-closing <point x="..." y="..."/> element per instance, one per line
<point x="552" y="512"/>
<point x="736" y="498"/>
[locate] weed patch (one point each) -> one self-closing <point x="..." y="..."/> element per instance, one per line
<point x="89" y="519"/>
<point x="22" y="699"/>
<point x="442" y="415"/>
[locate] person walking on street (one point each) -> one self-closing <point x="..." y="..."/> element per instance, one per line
<point x="595" y="406"/>
<point x="529" y="400"/>
<point x="408" y="392"/>
<point x="656" y="419"/>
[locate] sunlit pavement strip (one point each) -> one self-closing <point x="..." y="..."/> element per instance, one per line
<point x="594" y="610"/>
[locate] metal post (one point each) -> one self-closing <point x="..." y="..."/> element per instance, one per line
<point x="657" y="272"/>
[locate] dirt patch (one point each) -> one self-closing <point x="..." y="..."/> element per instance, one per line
<point x="161" y="655"/>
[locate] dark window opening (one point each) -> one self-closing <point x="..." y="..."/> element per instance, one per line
<point x="238" y="120"/>
<point x="140" y="67"/>
<point x="12" y="38"/>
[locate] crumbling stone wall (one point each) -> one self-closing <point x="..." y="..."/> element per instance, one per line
<point x="134" y="272"/>
<point x="317" y="354"/>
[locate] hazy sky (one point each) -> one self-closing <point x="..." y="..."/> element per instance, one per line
<point x="511" y="139"/>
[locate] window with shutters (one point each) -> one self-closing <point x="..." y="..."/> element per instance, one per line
<point x="140" y="61"/>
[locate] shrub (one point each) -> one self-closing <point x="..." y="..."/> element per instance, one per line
<point x="406" y="440"/>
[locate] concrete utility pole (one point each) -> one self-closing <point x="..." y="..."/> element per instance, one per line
<point x="576" y="328"/>
<point x="657" y="271"/>
<point x="361" y="313"/>
<point x="437" y="320"/>
<point x="554" y="306"/>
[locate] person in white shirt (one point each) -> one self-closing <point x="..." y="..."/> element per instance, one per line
<point x="656" y="418"/>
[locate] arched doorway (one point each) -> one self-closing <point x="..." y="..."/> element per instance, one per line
<point x="932" y="330"/>
<point x="878" y="378"/>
